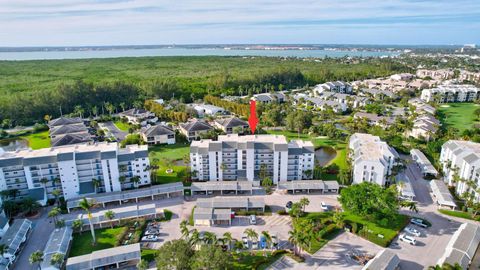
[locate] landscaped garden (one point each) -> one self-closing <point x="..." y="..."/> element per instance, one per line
<point x="123" y="126"/>
<point x="169" y="157"/>
<point x="318" y="228"/>
<point x="459" y="214"/>
<point x="255" y="260"/>
<point x="459" y="115"/>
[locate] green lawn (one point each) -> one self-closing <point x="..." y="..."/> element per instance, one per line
<point x="373" y="229"/>
<point x="149" y="254"/>
<point x="340" y="159"/>
<point x="459" y="115"/>
<point x="323" y="238"/>
<point x="122" y="126"/>
<point x="38" y="140"/>
<point x="106" y="238"/>
<point x="458" y="214"/>
<point x="174" y="152"/>
<point x="248" y="260"/>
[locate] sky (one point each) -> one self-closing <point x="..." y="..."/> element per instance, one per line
<point x="151" y="22"/>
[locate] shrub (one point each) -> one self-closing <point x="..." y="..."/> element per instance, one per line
<point x="167" y="215"/>
<point x="282" y="212"/>
<point x="354" y="227"/>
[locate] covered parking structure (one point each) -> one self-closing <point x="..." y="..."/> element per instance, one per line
<point x="442" y="195"/>
<point x="210" y="216"/>
<point x="167" y="190"/>
<point x="109" y="258"/>
<point x="15" y="237"/>
<point x="423" y="163"/>
<point x="210" y="187"/>
<point x="384" y="260"/>
<point x="59" y="242"/>
<point x="233" y="203"/>
<point x="309" y="186"/>
<point x="148" y="211"/>
<point x="405" y="188"/>
<point x="462" y="246"/>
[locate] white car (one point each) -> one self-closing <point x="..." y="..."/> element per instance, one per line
<point x="412" y="231"/>
<point x="407" y="238"/>
<point x="418" y="222"/>
<point x="254" y="245"/>
<point x="150" y="238"/>
<point x="324" y="206"/>
<point x="253" y="220"/>
<point x="245" y="241"/>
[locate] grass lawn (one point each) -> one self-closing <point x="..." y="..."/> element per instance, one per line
<point x="459" y="115"/>
<point x="122" y="126"/>
<point x="174" y="152"/>
<point x="248" y="260"/>
<point x="458" y="214"/>
<point x="106" y="238"/>
<point x="321" y="141"/>
<point x="318" y="242"/>
<point x="149" y="254"/>
<point x="38" y="140"/>
<point x="374" y="229"/>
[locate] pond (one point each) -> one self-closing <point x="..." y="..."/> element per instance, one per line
<point x="324" y="155"/>
<point x="13" y="144"/>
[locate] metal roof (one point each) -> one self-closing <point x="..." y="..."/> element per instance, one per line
<point x="441" y="192"/>
<point x="130" y="194"/>
<point x="462" y="246"/>
<point x="423" y="162"/>
<point x="15" y="234"/>
<point x="132" y="211"/>
<point x="231" y="202"/>
<point x="221" y="185"/>
<point x="104" y="257"/>
<point x="384" y="260"/>
<point x="57" y="243"/>
<point x="308" y="184"/>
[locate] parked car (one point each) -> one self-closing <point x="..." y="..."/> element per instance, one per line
<point x="254" y="244"/>
<point x="418" y="222"/>
<point x="245" y="240"/>
<point x="288" y="206"/>
<point x="152" y="232"/>
<point x="412" y="231"/>
<point x="275" y="241"/>
<point x="324" y="206"/>
<point x="253" y="220"/>
<point x="263" y="242"/>
<point x="407" y="238"/>
<point x="150" y="238"/>
<point x="232" y="214"/>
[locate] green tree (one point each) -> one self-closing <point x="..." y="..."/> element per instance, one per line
<point x="36" y="257"/>
<point x="184" y="230"/>
<point x="210" y="257"/>
<point x="304" y="202"/>
<point x="87" y="207"/>
<point x="174" y="254"/>
<point x="57" y="260"/>
<point x="251" y="234"/>
<point x="296" y="210"/>
<point x="227" y="239"/>
<point x="110" y="215"/>
<point x="77" y="225"/>
<point x="56" y="193"/>
<point x="54" y="213"/>
<point x="142" y="265"/>
<point x="30" y="206"/>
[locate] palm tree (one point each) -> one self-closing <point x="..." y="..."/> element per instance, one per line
<point x="3" y="250"/>
<point x="54" y="213"/>
<point x="77" y="225"/>
<point x="30" y="206"/>
<point x="194" y="237"/>
<point x="96" y="183"/>
<point x="122" y="179"/>
<point x="295" y="237"/>
<point x="184" y="229"/>
<point x="110" y="215"/>
<point x="57" y="259"/>
<point x="135" y="180"/>
<point x="56" y="193"/>
<point x="251" y="234"/>
<point x="210" y="238"/>
<point x="227" y="237"/>
<point x="87" y="206"/>
<point x="36" y="257"/>
<point x="338" y="218"/>
<point x="142" y="265"/>
<point x="412" y="206"/>
<point x="268" y="238"/>
<point x="304" y="202"/>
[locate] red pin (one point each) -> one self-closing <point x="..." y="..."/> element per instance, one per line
<point x="253" y="120"/>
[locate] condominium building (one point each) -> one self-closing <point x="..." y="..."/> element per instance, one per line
<point x="460" y="162"/>
<point x="372" y="159"/>
<point x="76" y="170"/>
<point x="440" y="74"/>
<point x="451" y="93"/>
<point x="235" y="157"/>
<point x="337" y="87"/>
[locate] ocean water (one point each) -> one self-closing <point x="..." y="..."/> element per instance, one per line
<point x="41" y="55"/>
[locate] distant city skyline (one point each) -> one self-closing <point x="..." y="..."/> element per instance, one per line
<point x="149" y="22"/>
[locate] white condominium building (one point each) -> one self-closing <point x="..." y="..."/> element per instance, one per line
<point x="461" y="166"/>
<point x="75" y="170"/>
<point x="372" y="159"/>
<point x="235" y="157"/>
<point x="451" y="93"/>
<point x="337" y="87"/>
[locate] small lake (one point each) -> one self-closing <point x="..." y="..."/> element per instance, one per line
<point x="13" y="144"/>
<point x="324" y="155"/>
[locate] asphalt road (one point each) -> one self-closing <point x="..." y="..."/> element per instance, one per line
<point x="117" y="133"/>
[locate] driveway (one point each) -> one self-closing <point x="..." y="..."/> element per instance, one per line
<point x="117" y="133"/>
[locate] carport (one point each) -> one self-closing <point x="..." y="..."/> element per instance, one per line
<point x="109" y="258"/>
<point x="210" y="216"/>
<point x="234" y="203"/>
<point x="384" y="260"/>
<point x="309" y="186"/>
<point x="168" y="190"/>
<point x="442" y="194"/>
<point x="221" y="187"/>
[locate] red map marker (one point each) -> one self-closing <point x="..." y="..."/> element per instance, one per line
<point x="253" y="120"/>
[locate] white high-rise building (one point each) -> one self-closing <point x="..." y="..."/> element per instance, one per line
<point x="461" y="166"/>
<point x="76" y="170"/>
<point x="235" y="157"/>
<point x="372" y="159"/>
